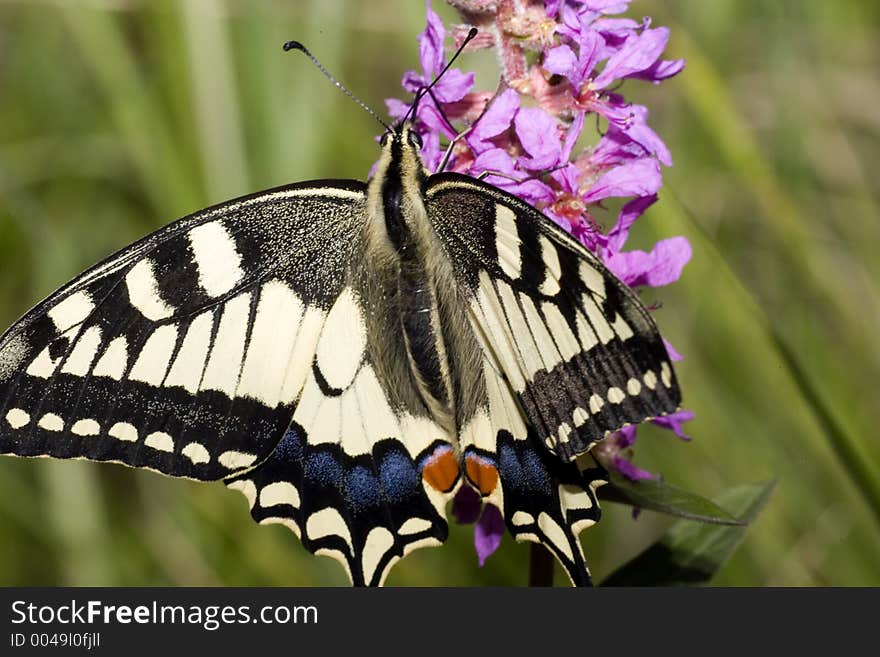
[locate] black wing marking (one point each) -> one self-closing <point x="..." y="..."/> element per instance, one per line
<point x="576" y="345"/>
<point x="185" y="351"/>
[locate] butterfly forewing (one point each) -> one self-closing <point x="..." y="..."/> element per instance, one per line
<point x="577" y="347"/>
<point x="183" y="353"/>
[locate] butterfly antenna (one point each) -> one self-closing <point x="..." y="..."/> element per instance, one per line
<point x="470" y="35"/>
<point x="296" y="45"/>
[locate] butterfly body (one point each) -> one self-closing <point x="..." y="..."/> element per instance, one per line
<point x="349" y="355"/>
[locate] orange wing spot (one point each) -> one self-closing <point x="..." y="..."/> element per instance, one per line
<point x="440" y="469"/>
<point x="482" y="473"/>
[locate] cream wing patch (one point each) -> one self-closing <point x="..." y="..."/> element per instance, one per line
<point x="217" y="259"/>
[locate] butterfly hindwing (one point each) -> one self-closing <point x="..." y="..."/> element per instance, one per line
<point x="579" y="350"/>
<point x="358" y="476"/>
<point x="184" y="352"/>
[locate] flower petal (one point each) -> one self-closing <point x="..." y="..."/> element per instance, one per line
<point x="636" y="178"/>
<point x="629" y="470"/>
<point x="660" y="267"/>
<point x="637" y="54"/>
<point x="673" y="422"/>
<point x="466" y="505"/>
<point x="629" y="213"/>
<point x="453" y="86"/>
<point x="671" y="351"/>
<point x="431" y="54"/>
<point x="488" y="532"/>
<point x="498" y="116"/>
<point x="539" y="137"/>
<point x="561" y="61"/>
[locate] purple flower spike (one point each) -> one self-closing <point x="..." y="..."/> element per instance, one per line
<point x="564" y="68"/>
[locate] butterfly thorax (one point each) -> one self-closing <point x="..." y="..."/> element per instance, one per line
<point x="408" y="281"/>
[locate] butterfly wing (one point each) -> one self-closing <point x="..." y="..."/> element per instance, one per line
<point x="578" y="348"/>
<point x="233" y="344"/>
<point x="569" y="355"/>
<point x="185" y="351"/>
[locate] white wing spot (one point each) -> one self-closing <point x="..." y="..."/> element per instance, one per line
<point x="279" y="492"/>
<point x="114" y="360"/>
<point x="73" y="310"/>
<point x="186" y="371"/>
<point x="597" y="319"/>
<point x="196" y="453"/>
<point x="160" y="440"/>
<point x="143" y="292"/>
<point x="86" y="427"/>
<point x="414" y="526"/>
<point x="279" y="313"/>
<point x="564" y="431"/>
<point x="233" y="460"/>
<point x="521" y="518"/>
<point x="17" y="418"/>
<point x="596" y="403"/>
<point x="580" y="416"/>
<point x="592" y="278"/>
<point x="217" y="259"/>
<point x="342" y="342"/>
<point x="586" y="335"/>
<point x="650" y="379"/>
<point x="666" y="374"/>
<point x="153" y="361"/>
<point x="507" y="242"/>
<point x="378" y="542"/>
<point x="83" y="354"/>
<point x="224" y="365"/>
<point x="623" y="330"/>
<point x="43" y="366"/>
<point x="574" y="497"/>
<point x="123" y="431"/>
<point x="328" y="522"/>
<point x="554" y="533"/>
<point x="51" y="422"/>
<point x="552" y="272"/>
<point x="565" y="340"/>
<point x="633" y="387"/>
<point x="615" y="395"/>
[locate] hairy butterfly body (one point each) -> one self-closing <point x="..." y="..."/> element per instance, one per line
<point x="348" y="355"/>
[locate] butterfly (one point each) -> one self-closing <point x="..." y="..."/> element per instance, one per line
<point x="348" y="355"/>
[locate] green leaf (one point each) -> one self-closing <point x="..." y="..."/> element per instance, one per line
<point x="659" y="496"/>
<point x="691" y="553"/>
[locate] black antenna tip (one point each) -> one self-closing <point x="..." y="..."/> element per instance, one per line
<point x="294" y="45"/>
<point x="472" y="33"/>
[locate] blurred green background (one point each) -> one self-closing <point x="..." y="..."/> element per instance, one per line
<point x="117" y="116"/>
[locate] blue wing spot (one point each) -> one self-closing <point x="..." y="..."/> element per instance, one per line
<point x="362" y="488"/>
<point x="536" y="473"/>
<point x="323" y="468"/>
<point x="399" y="477"/>
<point x="290" y="448"/>
<point x="510" y="468"/>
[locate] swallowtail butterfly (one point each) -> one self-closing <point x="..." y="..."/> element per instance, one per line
<point x="348" y="355"/>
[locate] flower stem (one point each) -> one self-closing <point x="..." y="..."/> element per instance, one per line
<point x="540" y="566"/>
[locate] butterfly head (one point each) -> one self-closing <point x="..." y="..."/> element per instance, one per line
<point x="401" y="147"/>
